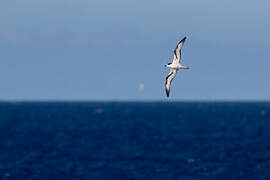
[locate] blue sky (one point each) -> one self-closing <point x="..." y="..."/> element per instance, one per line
<point x="104" y="50"/>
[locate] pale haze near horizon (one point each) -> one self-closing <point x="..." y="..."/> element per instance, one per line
<point x="109" y="50"/>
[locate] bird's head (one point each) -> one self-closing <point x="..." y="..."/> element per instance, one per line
<point x="168" y="64"/>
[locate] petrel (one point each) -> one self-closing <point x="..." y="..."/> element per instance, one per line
<point x="175" y="65"/>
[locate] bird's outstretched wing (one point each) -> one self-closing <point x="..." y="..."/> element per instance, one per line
<point x="169" y="79"/>
<point x="177" y="50"/>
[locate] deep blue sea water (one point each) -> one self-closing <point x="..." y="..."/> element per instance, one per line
<point x="194" y="140"/>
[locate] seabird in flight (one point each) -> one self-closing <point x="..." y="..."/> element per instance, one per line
<point x="175" y="65"/>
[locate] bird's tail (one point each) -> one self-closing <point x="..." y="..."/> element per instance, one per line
<point x="184" y="67"/>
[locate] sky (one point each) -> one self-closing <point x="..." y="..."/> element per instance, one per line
<point x="116" y="50"/>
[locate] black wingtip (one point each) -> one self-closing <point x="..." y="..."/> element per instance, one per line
<point x="183" y="39"/>
<point x="167" y="93"/>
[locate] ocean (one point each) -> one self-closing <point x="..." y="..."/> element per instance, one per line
<point x="134" y="140"/>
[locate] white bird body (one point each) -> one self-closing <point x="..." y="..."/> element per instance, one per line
<point x="175" y="65"/>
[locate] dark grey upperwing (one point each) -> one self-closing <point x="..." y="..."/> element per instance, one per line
<point x="169" y="79"/>
<point x="177" y="50"/>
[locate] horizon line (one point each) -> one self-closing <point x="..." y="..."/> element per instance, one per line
<point x="137" y="101"/>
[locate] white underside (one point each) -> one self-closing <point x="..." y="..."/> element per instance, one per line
<point x="177" y="66"/>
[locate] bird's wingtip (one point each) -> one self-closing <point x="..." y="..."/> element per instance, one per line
<point x="168" y="94"/>
<point x="184" y="38"/>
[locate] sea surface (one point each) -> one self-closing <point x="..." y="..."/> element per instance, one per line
<point x="134" y="140"/>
